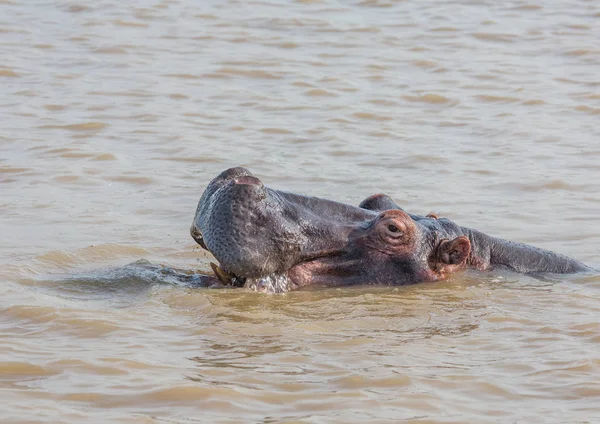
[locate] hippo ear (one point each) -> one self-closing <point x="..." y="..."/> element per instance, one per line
<point x="454" y="252"/>
<point x="379" y="203"/>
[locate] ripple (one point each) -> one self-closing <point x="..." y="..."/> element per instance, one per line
<point x="488" y="98"/>
<point x="92" y="254"/>
<point x="189" y="393"/>
<point x="137" y="180"/>
<point x="119" y="22"/>
<point x="427" y="159"/>
<point x="276" y="131"/>
<point x="362" y="382"/>
<point x="371" y="116"/>
<point x="13" y="170"/>
<point x="582" y="52"/>
<point x="66" y="178"/>
<point x="320" y="93"/>
<point x="302" y="84"/>
<point x="534" y="102"/>
<point x="216" y="75"/>
<point x="105" y="156"/>
<point x="88" y="328"/>
<point x="341" y="153"/>
<point x="85" y="126"/>
<point x="249" y="73"/>
<point x="78" y="8"/>
<point x="527" y="7"/>
<point x="375" y="3"/>
<point x="110" y="50"/>
<point x="183" y="76"/>
<point x="444" y="29"/>
<point x="426" y="64"/>
<point x="20" y="370"/>
<point x="55" y="107"/>
<point x="178" y="96"/>
<point x="141" y="94"/>
<point x="499" y="38"/>
<point x="429" y="98"/>
<point x="588" y="109"/>
<point x="192" y="159"/>
<point x="8" y="73"/>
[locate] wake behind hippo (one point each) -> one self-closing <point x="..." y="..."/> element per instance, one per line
<point x="274" y="241"/>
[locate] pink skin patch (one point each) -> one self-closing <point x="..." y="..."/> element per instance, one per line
<point x="247" y="180"/>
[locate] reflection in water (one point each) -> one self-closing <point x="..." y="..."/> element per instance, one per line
<point x="116" y="114"/>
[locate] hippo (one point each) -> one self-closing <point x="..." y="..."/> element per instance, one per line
<point x="274" y="241"/>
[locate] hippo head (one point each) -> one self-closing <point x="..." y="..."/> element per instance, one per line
<point x="275" y="241"/>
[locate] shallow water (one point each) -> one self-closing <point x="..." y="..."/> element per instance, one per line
<point x="116" y="114"/>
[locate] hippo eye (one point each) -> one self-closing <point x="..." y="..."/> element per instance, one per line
<point x="393" y="228"/>
<point x="393" y="231"/>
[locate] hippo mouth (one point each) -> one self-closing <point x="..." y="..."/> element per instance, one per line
<point x="308" y="272"/>
<point x="298" y="275"/>
<point x="274" y="283"/>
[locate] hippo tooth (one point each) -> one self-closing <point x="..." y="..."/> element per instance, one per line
<point x="221" y="275"/>
<point x="201" y="243"/>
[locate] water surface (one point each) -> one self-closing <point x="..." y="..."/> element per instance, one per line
<point x="115" y="115"/>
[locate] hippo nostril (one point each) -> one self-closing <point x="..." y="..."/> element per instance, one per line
<point x="248" y="180"/>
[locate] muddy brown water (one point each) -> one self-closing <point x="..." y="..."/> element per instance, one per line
<point x="116" y="114"/>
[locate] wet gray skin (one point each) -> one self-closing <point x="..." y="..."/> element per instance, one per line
<point x="273" y="241"/>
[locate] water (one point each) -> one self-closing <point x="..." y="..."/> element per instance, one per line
<point x="116" y="114"/>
